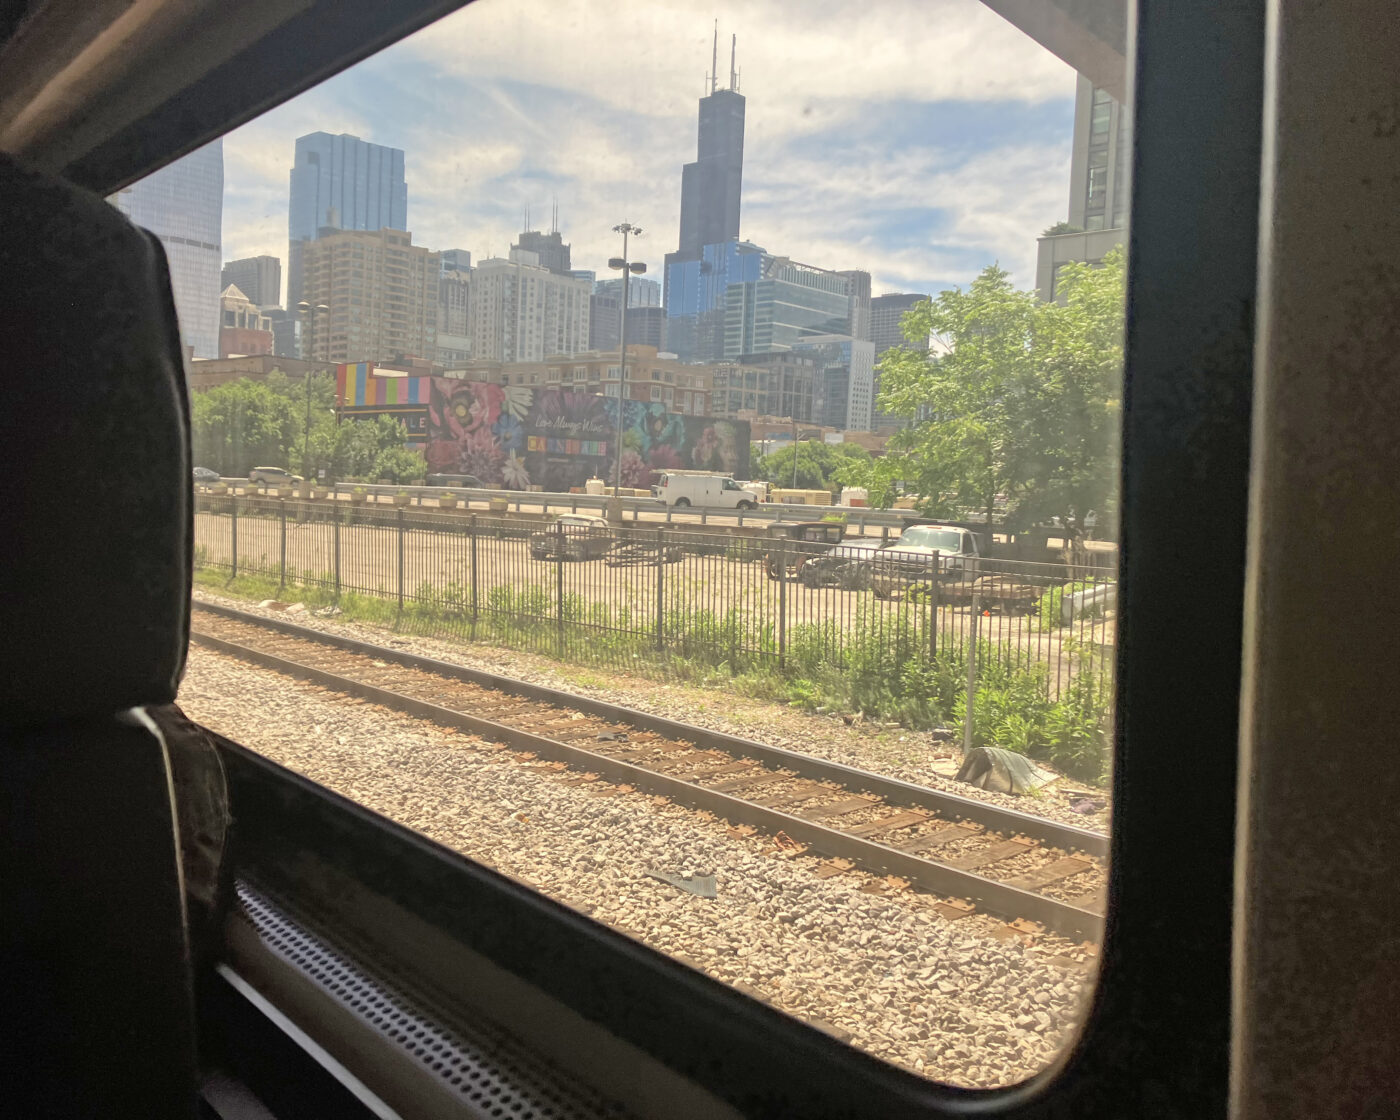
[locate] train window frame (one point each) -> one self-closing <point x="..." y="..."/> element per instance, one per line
<point x="1156" y="1036"/>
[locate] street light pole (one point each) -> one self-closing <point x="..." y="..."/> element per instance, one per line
<point x="308" y="314"/>
<point x="628" y="268"/>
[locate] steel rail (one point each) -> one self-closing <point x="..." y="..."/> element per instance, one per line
<point x="987" y="894"/>
<point x="995" y="818"/>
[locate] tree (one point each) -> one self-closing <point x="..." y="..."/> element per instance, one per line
<point x="360" y="442"/>
<point x="399" y="464"/>
<point x="818" y="464"/>
<point x="249" y="423"/>
<point x="1018" y="400"/>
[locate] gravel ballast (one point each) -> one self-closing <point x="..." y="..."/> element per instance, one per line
<point x="911" y="756"/>
<point x="948" y="999"/>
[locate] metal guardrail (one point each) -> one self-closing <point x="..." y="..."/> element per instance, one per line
<point x="858" y="517"/>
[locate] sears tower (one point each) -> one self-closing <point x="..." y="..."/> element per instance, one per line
<point x="710" y="186"/>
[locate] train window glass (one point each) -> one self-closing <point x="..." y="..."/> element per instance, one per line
<point x="859" y="773"/>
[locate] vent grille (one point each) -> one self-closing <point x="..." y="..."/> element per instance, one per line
<point x="489" y="1072"/>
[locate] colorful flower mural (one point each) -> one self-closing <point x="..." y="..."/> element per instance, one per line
<point x="518" y="437"/>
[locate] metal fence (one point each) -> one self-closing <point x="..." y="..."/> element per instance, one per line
<point x="622" y="595"/>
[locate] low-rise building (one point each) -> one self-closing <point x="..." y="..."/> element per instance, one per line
<point x="651" y="376"/>
<point x="208" y="373"/>
<point x="243" y="328"/>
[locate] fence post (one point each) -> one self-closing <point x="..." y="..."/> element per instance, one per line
<point x="559" y="587"/>
<point x="782" y="602"/>
<point x="399" y="519"/>
<point x="471" y="536"/>
<point x="660" y="589"/>
<point x="233" y="530"/>
<point x="933" y="618"/>
<point x="282" y="517"/>
<point x="335" y="533"/>
<point x="971" y="675"/>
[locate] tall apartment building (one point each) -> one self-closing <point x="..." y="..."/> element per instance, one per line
<point x="696" y="291"/>
<point x="341" y="182"/>
<point x="887" y="320"/>
<point x="886" y="332"/>
<point x="382" y="292"/>
<point x="549" y="248"/>
<point x="455" y="260"/>
<point x="843" y="382"/>
<point x="646" y="326"/>
<point x="605" y="311"/>
<point x="519" y="311"/>
<point x="453" y="317"/>
<point x="711" y="186"/>
<point x="858" y="296"/>
<point x="1098" y="186"/>
<point x="780" y="384"/>
<point x="258" y="278"/>
<point x="183" y="205"/>
<point x="790" y="304"/>
<point x="243" y="327"/>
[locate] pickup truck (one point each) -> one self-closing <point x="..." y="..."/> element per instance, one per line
<point x="572" y="536"/>
<point x="922" y="554"/>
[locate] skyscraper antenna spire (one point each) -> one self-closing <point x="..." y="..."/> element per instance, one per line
<point x="714" y="61"/>
<point x="733" y="77"/>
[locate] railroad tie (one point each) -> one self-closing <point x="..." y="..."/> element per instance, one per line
<point x="837" y="808"/>
<point x="995" y="854"/>
<point x="930" y="840"/>
<point x="1051" y="873"/>
<point x="801" y="793"/>
<point x="716" y="771"/>
<point x="889" y="824"/>
<point x="751" y="780"/>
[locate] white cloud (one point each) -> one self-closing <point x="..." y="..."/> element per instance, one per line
<point x="793" y="54"/>
<point x="509" y="103"/>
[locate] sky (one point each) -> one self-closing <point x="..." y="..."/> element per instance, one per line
<point x="920" y="140"/>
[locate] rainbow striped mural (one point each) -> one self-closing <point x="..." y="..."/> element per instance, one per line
<point x="357" y="386"/>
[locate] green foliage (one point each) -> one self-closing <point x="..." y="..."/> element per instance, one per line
<point x="818" y="464"/>
<point x="1052" y="602"/>
<point x="1062" y="227"/>
<point x="252" y="423"/>
<point x="1019" y="399"/>
<point x="399" y="464"/>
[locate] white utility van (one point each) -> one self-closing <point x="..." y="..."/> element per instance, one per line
<point x="702" y="488"/>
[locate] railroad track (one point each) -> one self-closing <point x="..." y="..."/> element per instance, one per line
<point x="1039" y="875"/>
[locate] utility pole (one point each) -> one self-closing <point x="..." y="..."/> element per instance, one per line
<point x="628" y="268"/>
<point x="309" y="315"/>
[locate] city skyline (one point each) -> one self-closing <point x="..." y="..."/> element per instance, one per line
<point x="846" y="165"/>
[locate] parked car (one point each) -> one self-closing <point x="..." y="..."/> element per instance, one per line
<point x="461" y="481"/>
<point x="272" y="476"/>
<point x="203" y="476"/>
<point x="847" y="566"/>
<point x="572" y="536"/>
<point x="922" y="554"/>
<point x="703" y="488"/>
